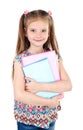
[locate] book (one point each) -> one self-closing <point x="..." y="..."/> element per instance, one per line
<point x="51" y="55"/>
<point x="41" y="72"/>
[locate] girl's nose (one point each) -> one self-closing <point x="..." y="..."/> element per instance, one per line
<point x="38" y="34"/>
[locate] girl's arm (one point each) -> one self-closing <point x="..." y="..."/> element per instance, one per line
<point x="60" y="86"/>
<point x="22" y="95"/>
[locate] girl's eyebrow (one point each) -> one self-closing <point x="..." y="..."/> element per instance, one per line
<point x="36" y="28"/>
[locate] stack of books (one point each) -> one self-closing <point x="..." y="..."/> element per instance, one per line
<point x="43" y="68"/>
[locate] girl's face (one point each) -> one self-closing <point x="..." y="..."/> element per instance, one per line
<point x="37" y="32"/>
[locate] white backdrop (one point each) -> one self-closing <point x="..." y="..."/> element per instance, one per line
<point x="69" y="30"/>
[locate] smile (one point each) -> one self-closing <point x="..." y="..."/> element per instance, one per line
<point x="37" y="40"/>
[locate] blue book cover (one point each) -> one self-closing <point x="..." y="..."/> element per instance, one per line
<point x="41" y="72"/>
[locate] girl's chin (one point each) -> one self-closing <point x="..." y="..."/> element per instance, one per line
<point x="38" y="43"/>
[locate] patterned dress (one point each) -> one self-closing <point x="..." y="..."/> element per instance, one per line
<point x="40" y="116"/>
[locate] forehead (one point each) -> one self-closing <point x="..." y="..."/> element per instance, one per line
<point x="38" y="23"/>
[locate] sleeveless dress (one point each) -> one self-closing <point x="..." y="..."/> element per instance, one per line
<point x="40" y="116"/>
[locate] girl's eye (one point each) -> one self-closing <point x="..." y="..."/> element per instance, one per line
<point x="32" y="30"/>
<point x="43" y="30"/>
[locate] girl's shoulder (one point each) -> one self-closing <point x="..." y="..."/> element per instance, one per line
<point x="19" y="57"/>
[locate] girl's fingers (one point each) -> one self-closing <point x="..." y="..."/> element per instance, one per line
<point x="60" y="96"/>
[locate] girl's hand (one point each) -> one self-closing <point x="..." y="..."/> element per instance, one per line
<point x="55" y="101"/>
<point x="32" y="86"/>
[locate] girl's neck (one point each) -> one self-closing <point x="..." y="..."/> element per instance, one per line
<point x="35" y="51"/>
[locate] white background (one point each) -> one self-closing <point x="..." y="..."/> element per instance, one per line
<point x="68" y="18"/>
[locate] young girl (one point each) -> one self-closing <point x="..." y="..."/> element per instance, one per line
<point x="36" y="35"/>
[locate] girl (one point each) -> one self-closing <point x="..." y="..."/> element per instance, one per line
<point x="36" y="35"/>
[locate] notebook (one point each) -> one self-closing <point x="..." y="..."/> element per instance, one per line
<point x="41" y="72"/>
<point x="51" y="55"/>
